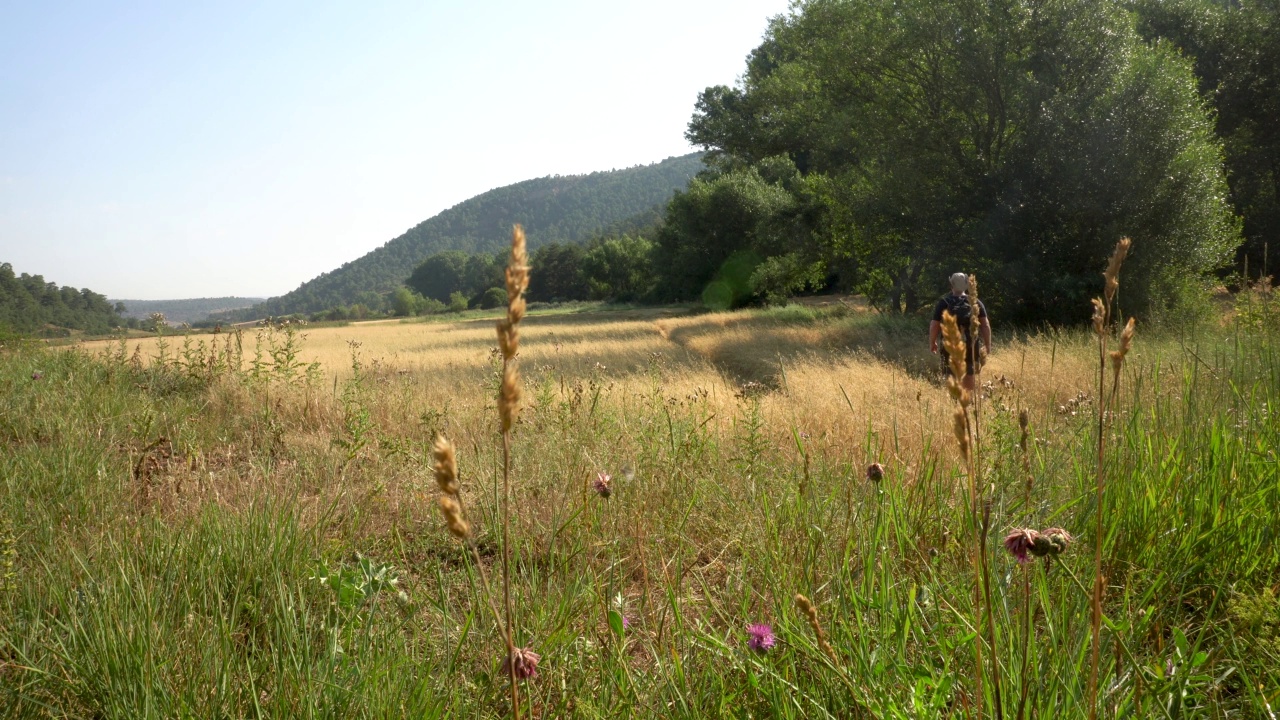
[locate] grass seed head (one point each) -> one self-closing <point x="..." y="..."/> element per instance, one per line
<point x="508" y="339"/>
<point x="1112" y="273"/>
<point x="509" y="397"/>
<point x="1126" y="344"/>
<point x="973" y="303"/>
<point x="960" y="426"/>
<point x="811" y="614"/>
<point x="446" y="466"/>
<point x="517" y="274"/>
<point x="1099" y="317"/>
<point x="953" y="343"/>
<point x="452" y="511"/>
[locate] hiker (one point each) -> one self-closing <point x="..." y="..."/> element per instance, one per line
<point x="957" y="303"/>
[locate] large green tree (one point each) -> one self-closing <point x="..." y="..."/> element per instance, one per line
<point x="1016" y="138"/>
<point x="1236" y="50"/>
<point x="715" y="234"/>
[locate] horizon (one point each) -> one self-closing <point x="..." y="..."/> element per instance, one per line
<point x="159" y="153"/>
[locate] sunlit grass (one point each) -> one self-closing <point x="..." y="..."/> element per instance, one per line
<point x="182" y="580"/>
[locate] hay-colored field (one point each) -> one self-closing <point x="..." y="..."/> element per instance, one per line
<point x="836" y="373"/>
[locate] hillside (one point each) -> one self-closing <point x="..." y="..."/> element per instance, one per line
<point x="189" y="310"/>
<point x="29" y="304"/>
<point x="565" y="208"/>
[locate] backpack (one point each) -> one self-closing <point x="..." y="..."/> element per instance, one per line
<point x="962" y="310"/>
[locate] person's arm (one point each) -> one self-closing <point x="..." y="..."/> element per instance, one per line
<point x="935" y="327"/>
<point x="984" y="331"/>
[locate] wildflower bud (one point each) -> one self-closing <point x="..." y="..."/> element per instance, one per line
<point x="602" y="484"/>
<point x="522" y="663"/>
<point x="875" y="472"/>
<point x="1059" y="540"/>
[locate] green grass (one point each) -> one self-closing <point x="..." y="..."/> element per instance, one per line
<point x="190" y="588"/>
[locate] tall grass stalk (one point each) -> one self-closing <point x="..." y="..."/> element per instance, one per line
<point x="508" y="408"/>
<point x="1103" y="310"/>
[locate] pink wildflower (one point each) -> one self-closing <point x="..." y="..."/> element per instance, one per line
<point x="761" y="637"/>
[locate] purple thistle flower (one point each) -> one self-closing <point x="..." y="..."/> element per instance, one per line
<point x="1019" y="542"/>
<point x="601" y="484"/>
<point x="626" y="622"/>
<point x="37" y="375"/>
<point x="761" y="637"/>
<point x="524" y="661"/>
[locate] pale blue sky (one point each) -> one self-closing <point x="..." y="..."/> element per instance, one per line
<point x="157" y="150"/>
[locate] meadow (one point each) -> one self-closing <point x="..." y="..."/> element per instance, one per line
<point x="246" y="524"/>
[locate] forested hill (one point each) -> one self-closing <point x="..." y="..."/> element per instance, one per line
<point x="31" y="305"/>
<point x="189" y="310"/>
<point x="552" y="209"/>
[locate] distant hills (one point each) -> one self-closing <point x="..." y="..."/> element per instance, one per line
<point x="562" y="208"/>
<point x="180" y="311"/>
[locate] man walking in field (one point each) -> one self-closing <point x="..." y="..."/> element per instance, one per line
<point x="957" y="303"/>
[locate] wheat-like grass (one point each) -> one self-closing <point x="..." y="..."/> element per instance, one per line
<point x="521" y="663"/>
<point x="811" y="614"/>
<point x="1103" y="310"/>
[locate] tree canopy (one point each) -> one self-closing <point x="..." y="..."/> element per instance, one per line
<point x="31" y="305"/>
<point x="1236" y="50"/>
<point x="883" y="144"/>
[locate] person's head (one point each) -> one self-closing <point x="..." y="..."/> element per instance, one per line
<point x="959" y="283"/>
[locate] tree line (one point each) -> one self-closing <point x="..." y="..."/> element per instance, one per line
<point x="29" y="305"/>
<point x="879" y="145"/>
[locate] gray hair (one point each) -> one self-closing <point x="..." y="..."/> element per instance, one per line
<point x="959" y="282"/>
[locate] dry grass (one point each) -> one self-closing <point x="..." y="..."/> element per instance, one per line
<point x="841" y="378"/>
<point x="736" y="441"/>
